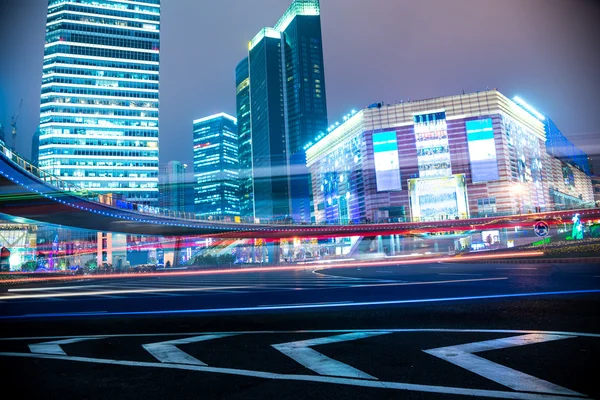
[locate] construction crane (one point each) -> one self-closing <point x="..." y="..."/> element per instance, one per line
<point x="13" y="125"/>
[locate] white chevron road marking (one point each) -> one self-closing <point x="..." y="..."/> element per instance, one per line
<point x="54" y="347"/>
<point x="462" y="355"/>
<point x="166" y="352"/>
<point x="301" y="352"/>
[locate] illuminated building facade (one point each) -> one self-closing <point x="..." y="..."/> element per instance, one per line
<point x="216" y="166"/>
<point x="287" y="105"/>
<point x="99" y="96"/>
<point x="444" y="158"/>
<point x="172" y="186"/>
<point x="596" y="188"/>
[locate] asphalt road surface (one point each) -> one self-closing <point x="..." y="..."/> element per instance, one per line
<point x="428" y="331"/>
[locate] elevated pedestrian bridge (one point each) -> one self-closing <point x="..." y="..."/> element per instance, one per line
<point x="30" y="195"/>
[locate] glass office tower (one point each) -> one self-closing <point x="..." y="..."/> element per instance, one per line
<point x="216" y="166"/>
<point x="246" y="193"/>
<point x="288" y="109"/>
<point x="172" y="186"/>
<point x="99" y="101"/>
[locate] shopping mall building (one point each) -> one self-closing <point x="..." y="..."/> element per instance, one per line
<point x="450" y="157"/>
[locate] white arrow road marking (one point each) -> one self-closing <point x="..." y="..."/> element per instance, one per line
<point x="462" y="356"/>
<point x="302" y="353"/>
<point x="54" y="347"/>
<point x="166" y="352"/>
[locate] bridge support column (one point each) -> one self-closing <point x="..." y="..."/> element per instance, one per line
<point x="274" y="251"/>
<point x="379" y="244"/>
<point x="177" y="253"/>
<point x="392" y="246"/>
<point x="398" y="243"/>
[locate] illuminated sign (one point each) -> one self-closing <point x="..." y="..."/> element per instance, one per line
<point x="434" y="199"/>
<point x="433" y="151"/>
<point x="482" y="150"/>
<point x="387" y="165"/>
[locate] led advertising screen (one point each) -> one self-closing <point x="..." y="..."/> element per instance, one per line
<point x="482" y="150"/>
<point x="434" y="199"/>
<point x="387" y="165"/>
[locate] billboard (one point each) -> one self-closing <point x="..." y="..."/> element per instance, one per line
<point x="482" y="150"/>
<point x="387" y="164"/>
<point x="433" y="151"/>
<point x="433" y="199"/>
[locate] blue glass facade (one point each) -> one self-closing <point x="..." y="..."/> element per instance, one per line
<point x="562" y="148"/>
<point x="172" y="186"/>
<point x="288" y="108"/>
<point x="269" y="140"/>
<point x="246" y="194"/>
<point x="99" y="97"/>
<point x="216" y="166"/>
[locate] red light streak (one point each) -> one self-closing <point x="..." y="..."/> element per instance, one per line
<point x="316" y="266"/>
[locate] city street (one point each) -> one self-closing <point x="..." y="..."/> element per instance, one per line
<point x="379" y="331"/>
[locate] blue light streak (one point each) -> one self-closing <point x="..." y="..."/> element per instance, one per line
<point x="299" y="306"/>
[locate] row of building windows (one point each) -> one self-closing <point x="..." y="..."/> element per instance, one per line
<point x="106" y="173"/>
<point x="95" y="142"/>
<point x="91" y="164"/>
<point x="101" y="111"/>
<point x="99" y="102"/>
<point x="99" y="52"/>
<point x="98" y="153"/>
<point x="106" y="40"/>
<point x="122" y="12"/>
<point x="100" y="92"/>
<point x="100" y="82"/>
<point x="101" y="64"/>
<point x="99" y="132"/>
<point x="102" y="122"/>
<point x="103" y="21"/>
<point x="113" y="5"/>
<point x="84" y="184"/>
<point x="102" y="73"/>
<point x="65" y="27"/>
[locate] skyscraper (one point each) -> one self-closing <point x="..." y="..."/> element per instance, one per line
<point x="288" y="108"/>
<point x="99" y="101"/>
<point x="246" y="194"/>
<point x="172" y="186"/>
<point x="216" y="184"/>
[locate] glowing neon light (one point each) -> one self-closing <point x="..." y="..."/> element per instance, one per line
<point x="528" y="108"/>
<point x="265" y="32"/>
<point x="215" y="116"/>
<point x="298" y="7"/>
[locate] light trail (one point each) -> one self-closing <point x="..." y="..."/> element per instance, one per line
<point x="117" y="292"/>
<point x="301" y="307"/>
<point x="201" y="289"/>
<point x="361" y="264"/>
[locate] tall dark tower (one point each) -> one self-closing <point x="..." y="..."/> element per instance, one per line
<point x="288" y="108"/>
<point x="242" y="97"/>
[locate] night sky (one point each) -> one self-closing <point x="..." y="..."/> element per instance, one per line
<point x="546" y="51"/>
